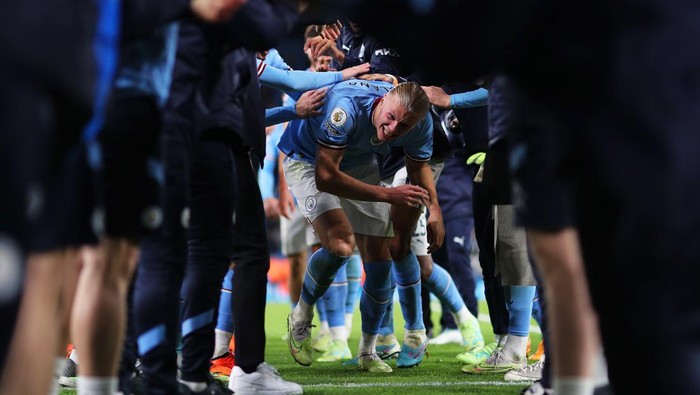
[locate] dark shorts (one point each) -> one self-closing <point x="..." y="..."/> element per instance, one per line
<point x="68" y="214"/>
<point x="130" y="175"/>
<point x="542" y="161"/>
<point x="37" y="127"/>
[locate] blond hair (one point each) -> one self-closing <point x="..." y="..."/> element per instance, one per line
<point x="412" y="98"/>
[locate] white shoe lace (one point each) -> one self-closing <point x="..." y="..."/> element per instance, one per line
<point x="301" y="330"/>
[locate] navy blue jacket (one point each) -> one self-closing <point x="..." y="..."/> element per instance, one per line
<point x="208" y="86"/>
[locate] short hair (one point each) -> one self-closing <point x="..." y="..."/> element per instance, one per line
<point x="412" y="97"/>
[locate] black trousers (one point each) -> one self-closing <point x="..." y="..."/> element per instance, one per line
<point x="251" y="254"/>
<point x="483" y="230"/>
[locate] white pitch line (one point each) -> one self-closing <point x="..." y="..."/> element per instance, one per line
<point x="418" y="384"/>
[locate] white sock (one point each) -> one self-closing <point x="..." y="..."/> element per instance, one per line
<point x="515" y="347"/>
<point x="194" y="386"/>
<point x="367" y="344"/>
<point x="324" y="328"/>
<point x="463" y="315"/>
<point x="74" y="356"/>
<point x="58" y="365"/>
<point x="500" y="339"/>
<point x="573" y="386"/>
<point x="601" y="370"/>
<point x="348" y="323"/>
<point x="97" y="385"/>
<point x="414" y="337"/>
<point x="303" y="311"/>
<point x="339" y="333"/>
<point x="221" y="342"/>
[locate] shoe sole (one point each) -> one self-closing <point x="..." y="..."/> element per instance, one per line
<point x="478" y="370"/>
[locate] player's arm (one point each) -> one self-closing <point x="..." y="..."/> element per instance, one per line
<point x="330" y="179"/>
<point x="308" y="105"/>
<point x="289" y="81"/>
<point x="286" y="200"/>
<point x="420" y="174"/>
<point x="438" y="97"/>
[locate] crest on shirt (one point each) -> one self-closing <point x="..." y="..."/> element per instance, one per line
<point x="338" y="117"/>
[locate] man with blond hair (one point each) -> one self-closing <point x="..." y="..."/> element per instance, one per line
<point x="331" y="171"/>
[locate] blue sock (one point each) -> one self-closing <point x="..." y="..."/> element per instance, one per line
<point x="387" y="327"/>
<point x="536" y="308"/>
<point x="441" y="285"/>
<point x="407" y="276"/>
<point x="321" y="309"/>
<point x="334" y="299"/>
<point x="225" y="320"/>
<point x="375" y="296"/>
<point x="320" y="273"/>
<point x="519" y="304"/>
<point x="354" y="271"/>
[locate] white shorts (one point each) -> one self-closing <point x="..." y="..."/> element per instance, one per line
<point x="293" y="233"/>
<point x="419" y="241"/>
<point x="366" y="218"/>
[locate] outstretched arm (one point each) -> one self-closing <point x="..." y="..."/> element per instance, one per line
<point x="330" y="179"/>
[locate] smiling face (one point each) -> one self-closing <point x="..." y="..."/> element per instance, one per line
<point x="391" y="119"/>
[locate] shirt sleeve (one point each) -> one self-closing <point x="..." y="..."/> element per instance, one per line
<point x="276" y="115"/>
<point x="419" y="146"/>
<point x="266" y="175"/>
<point x="477" y="98"/>
<point x="289" y="81"/>
<point x="337" y="125"/>
<point x="274" y="59"/>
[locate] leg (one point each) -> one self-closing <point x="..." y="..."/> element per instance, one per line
<point x="572" y="317"/>
<point x="40" y="309"/>
<point x="209" y="248"/>
<point x="99" y="316"/>
<point x="377" y="293"/>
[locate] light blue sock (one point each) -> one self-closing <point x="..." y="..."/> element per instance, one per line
<point x="441" y="285"/>
<point x="334" y="299"/>
<point x="407" y="276"/>
<point x="354" y="270"/>
<point x="519" y="304"/>
<point x="376" y="294"/>
<point x="321" y="309"/>
<point x="320" y="273"/>
<point x="536" y="308"/>
<point x="225" y="320"/>
<point x="387" y="327"/>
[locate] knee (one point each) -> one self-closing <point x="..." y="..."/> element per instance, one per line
<point x="342" y="246"/>
<point x="400" y="247"/>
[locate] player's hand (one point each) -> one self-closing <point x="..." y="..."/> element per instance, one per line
<point x="436" y="232"/>
<point x="319" y="46"/>
<point x="377" y="77"/>
<point x="332" y="31"/>
<point x="286" y="203"/>
<point x="271" y="207"/>
<point x="408" y="196"/>
<point x="354" y="71"/>
<point x="437" y="96"/>
<point x="310" y="103"/>
<point x="215" y="10"/>
<point x="477" y="159"/>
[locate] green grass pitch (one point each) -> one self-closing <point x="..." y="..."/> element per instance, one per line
<point x="439" y="373"/>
